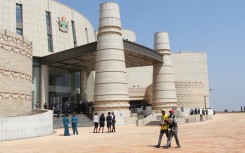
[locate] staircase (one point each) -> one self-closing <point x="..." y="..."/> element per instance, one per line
<point x="83" y="121"/>
<point x="154" y="119"/>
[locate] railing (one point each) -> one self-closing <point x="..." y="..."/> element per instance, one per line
<point x="142" y="50"/>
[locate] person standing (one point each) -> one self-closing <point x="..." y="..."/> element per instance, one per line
<point x="108" y="122"/>
<point x="203" y="111"/>
<point x="113" y="122"/>
<point x="58" y="110"/>
<point x="102" y="122"/>
<point x="74" y="123"/>
<point x="45" y="106"/>
<point x="164" y="127"/>
<point x="66" y="124"/>
<point x="96" y="122"/>
<point x="173" y="129"/>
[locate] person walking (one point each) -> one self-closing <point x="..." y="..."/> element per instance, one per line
<point x="96" y="122"/>
<point x="102" y="122"/>
<point x="113" y="122"/>
<point x="173" y="129"/>
<point x="66" y="124"/>
<point x="164" y="127"/>
<point x="74" y="123"/>
<point x="108" y="122"/>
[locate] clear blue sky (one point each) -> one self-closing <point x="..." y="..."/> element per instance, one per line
<point x="213" y="26"/>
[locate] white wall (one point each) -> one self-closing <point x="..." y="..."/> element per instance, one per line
<point x="20" y="127"/>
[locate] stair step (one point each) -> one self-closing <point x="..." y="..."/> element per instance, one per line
<point x="83" y="121"/>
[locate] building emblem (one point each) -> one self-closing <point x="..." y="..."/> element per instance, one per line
<point x="63" y="24"/>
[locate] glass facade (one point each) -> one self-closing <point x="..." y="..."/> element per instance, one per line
<point x="64" y="85"/>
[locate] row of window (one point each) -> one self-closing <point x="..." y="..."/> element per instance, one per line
<point x="19" y="27"/>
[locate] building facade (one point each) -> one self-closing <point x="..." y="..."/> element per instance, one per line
<point x="53" y="27"/>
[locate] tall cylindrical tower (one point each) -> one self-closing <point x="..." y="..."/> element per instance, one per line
<point x="164" y="91"/>
<point x="15" y="74"/>
<point x="111" y="89"/>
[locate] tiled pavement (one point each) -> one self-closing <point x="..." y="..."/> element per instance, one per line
<point x="223" y="134"/>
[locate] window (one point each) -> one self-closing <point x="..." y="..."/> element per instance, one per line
<point x="18" y="13"/>
<point x="50" y="43"/>
<point x="48" y="20"/>
<point x="74" y="33"/>
<point x="86" y="31"/>
<point x="19" y="31"/>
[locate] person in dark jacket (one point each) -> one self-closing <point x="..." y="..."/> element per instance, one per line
<point x="74" y="123"/>
<point x="113" y="122"/>
<point x="173" y="129"/>
<point x="45" y="106"/>
<point x="102" y="122"/>
<point x="108" y="121"/>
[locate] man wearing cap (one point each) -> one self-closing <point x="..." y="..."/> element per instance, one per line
<point x="173" y="129"/>
<point x="164" y="127"/>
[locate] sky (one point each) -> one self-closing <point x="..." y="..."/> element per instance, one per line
<point x="213" y="26"/>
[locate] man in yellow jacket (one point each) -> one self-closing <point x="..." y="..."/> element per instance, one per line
<point x="164" y="127"/>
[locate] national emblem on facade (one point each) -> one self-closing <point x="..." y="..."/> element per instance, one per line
<point x="63" y="24"/>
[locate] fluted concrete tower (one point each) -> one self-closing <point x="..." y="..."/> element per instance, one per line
<point x="163" y="91"/>
<point x="111" y="89"/>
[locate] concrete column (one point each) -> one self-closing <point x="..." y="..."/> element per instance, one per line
<point x="163" y="90"/>
<point x="111" y="89"/>
<point x="83" y="87"/>
<point x="44" y="86"/>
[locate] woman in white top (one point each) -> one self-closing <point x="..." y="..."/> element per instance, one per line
<point x="96" y="122"/>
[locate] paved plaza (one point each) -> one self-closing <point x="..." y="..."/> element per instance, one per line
<point x="223" y="134"/>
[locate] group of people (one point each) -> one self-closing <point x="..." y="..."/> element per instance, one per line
<point x="100" y="121"/>
<point x="243" y="109"/>
<point x="169" y="127"/>
<point x="84" y="107"/>
<point x="198" y="111"/>
<point x="66" y="124"/>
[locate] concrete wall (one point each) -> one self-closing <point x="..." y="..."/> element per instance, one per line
<point x="191" y="75"/>
<point x="15" y="74"/>
<point x="29" y="126"/>
<point x="35" y="28"/>
<point x="190" y="94"/>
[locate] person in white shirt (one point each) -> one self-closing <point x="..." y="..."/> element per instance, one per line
<point x="96" y="122"/>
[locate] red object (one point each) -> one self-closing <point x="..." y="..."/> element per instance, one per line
<point x="172" y="111"/>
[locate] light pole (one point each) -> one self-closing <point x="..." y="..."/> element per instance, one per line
<point x="210" y="98"/>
